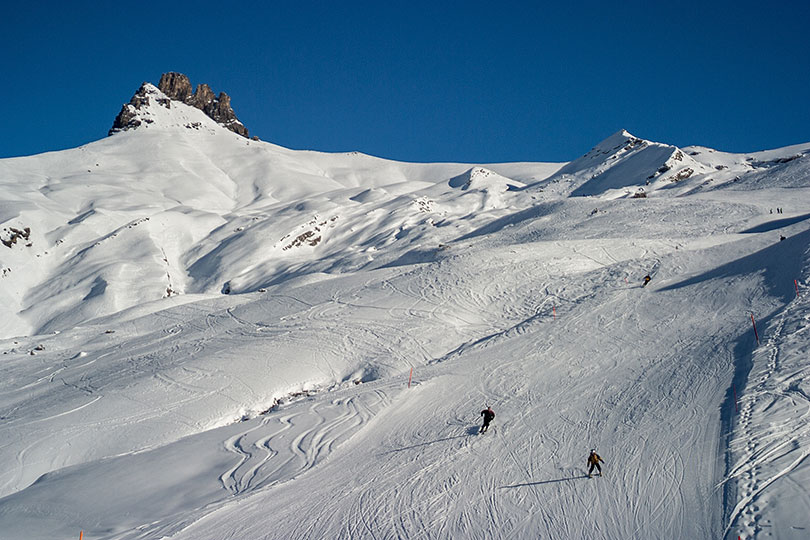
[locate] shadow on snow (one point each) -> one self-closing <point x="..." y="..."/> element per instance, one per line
<point x="780" y="264"/>
<point x="472" y="430"/>
<point x="540" y="483"/>
<point x="776" y="224"/>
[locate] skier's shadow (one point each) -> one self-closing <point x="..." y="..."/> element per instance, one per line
<point x="567" y="479"/>
<point x="472" y="430"/>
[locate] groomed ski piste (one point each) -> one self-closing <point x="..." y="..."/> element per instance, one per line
<point x="210" y="337"/>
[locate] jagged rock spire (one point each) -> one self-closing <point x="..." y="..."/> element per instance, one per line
<point x="177" y="87"/>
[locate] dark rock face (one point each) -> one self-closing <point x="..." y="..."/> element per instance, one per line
<point x="220" y="110"/>
<point x="177" y="87"/>
<point x="202" y="97"/>
<point x="128" y="117"/>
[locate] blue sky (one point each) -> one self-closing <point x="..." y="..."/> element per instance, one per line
<point x="416" y="81"/>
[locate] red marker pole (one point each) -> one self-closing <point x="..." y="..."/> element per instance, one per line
<point x="409" y="378"/>
<point x="796" y="283"/>
<point x="755" y="328"/>
<point x="554" y="312"/>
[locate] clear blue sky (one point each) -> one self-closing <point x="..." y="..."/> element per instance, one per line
<point x="421" y="81"/>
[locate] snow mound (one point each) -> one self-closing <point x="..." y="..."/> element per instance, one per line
<point x="625" y="165"/>
<point x="483" y="179"/>
<point x="487" y="188"/>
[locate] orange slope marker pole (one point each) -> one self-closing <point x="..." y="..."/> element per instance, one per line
<point x="756" y="335"/>
<point x="554" y="312"/>
<point x="409" y="378"/>
<point x="796" y="283"/>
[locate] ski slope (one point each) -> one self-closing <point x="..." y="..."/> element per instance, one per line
<point x="266" y="395"/>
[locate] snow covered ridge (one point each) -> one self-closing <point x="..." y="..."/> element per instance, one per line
<point x="175" y="204"/>
<point x="624" y="165"/>
<point x="179" y="205"/>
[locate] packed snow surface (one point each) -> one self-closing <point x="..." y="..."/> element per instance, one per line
<point x="210" y="337"/>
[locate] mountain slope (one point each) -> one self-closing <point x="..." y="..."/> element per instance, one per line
<point x="181" y="205"/>
<point x="624" y="165"/>
<point x="214" y="337"/>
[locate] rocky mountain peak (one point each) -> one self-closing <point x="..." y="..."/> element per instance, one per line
<point x="202" y="97"/>
<point x="177" y="87"/>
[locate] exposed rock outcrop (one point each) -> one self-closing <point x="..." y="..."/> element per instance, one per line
<point x="128" y="117"/>
<point x="217" y="108"/>
<point x="177" y="86"/>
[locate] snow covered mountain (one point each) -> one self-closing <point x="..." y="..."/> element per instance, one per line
<point x="623" y="165"/>
<point x="181" y="206"/>
<point x="200" y="327"/>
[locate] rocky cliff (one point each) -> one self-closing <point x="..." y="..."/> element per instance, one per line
<point x="177" y="87"/>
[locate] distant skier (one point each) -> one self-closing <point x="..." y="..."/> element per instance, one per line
<point x="647" y="279"/>
<point x="593" y="461"/>
<point x="488" y="415"/>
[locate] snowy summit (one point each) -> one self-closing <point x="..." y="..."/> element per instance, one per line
<point x="210" y="336"/>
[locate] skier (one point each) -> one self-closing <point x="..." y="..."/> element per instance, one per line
<point x="488" y="415"/>
<point x="593" y="461"/>
<point x="647" y="279"/>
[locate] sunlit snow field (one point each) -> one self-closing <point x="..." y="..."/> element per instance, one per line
<point x="210" y="337"/>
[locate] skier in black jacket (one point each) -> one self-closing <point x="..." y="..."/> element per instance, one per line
<point x="488" y="415"/>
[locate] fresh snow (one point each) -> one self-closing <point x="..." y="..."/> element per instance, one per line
<point x="212" y="337"/>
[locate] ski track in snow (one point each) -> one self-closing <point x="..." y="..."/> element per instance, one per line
<point x="418" y="502"/>
<point x="307" y="436"/>
<point x="770" y="451"/>
<point x="535" y="482"/>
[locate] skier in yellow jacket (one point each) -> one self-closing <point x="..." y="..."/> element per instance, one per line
<point x="593" y="461"/>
